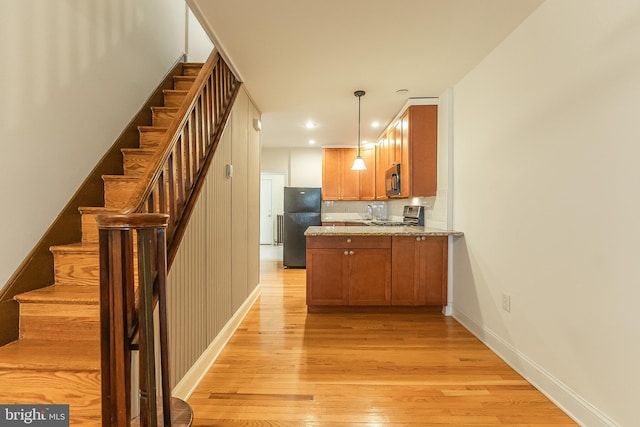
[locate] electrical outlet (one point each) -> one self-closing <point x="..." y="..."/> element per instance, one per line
<point x="506" y="303"/>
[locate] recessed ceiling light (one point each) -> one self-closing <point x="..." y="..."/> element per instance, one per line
<point x="310" y="125"/>
<point x="402" y="91"/>
<point x="311" y="142"/>
<point x="375" y="124"/>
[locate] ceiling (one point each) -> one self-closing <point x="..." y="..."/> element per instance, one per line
<point x="302" y="60"/>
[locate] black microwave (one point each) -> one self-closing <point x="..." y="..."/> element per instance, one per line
<point x="392" y="181"/>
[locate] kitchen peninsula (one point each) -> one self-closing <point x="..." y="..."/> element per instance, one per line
<point x="389" y="268"/>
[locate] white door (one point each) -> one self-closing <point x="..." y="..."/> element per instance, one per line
<point x="266" y="213"/>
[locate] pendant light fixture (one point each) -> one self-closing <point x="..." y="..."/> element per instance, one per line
<point x="358" y="163"/>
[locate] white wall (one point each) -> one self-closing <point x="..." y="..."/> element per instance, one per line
<point x="438" y="216"/>
<point x="199" y="46"/>
<point x="306" y="167"/>
<point x="546" y="191"/>
<point x="302" y="167"/>
<point x="74" y="74"/>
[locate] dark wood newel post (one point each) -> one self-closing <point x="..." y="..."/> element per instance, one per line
<point x="122" y="321"/>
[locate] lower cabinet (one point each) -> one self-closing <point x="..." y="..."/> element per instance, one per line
<point x="345" y="270"/>
<point x="376" y="270"/>
<point x="419" y="270"/>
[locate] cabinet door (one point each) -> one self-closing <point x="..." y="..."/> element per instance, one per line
<point x="404" y="163"/>
<point x="431" y="274"/>
<point x="405" y="288"/>
<point x="381" y="193"/>
<point x="331" y="173"/>
<point x="368" y="177"/>
<point x="391" y="154"/>
<point x="423" y="150"/>
<point x="419" y="266"/>
<point x="327" y="277"/>
<point x="369" y="277"/>
<point x="350" y="178"/>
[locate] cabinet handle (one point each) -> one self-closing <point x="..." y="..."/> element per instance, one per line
<point x="424" y="238"/>
<point x="350" y="252"/>
<point x="348" y="240"/>
<point x="346" y="252"/>
<point x="418" y="238"/>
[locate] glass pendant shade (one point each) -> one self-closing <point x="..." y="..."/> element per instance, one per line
<point x="358" y="164"/>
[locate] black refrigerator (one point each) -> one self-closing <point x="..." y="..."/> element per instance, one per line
<point x="301" y="210"/>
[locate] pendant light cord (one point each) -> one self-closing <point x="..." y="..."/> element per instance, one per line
<point x="359" y="98"/>
<point x="359" y="94"/>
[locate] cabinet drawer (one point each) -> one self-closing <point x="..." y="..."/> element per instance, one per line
<point x="345" y="241"/>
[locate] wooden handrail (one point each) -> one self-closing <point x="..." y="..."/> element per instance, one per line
<point x="152" y="173"/>
<point x="173" y="172"/>
<point x="157" y="213"/>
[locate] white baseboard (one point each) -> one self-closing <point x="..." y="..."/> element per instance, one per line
<point x="192" y="378"/>
<point x="569" y="401"/>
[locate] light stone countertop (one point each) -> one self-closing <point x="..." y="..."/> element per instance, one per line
<point x="376" y="230"/>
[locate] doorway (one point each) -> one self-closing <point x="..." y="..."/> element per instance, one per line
<point x="271" y="205"/>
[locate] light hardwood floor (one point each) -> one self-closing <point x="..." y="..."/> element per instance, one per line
<point x="284" y="367"/>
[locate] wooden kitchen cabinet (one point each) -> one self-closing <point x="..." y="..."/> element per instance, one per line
<point x="339" y="182"/>
<point x="348" y="271"/>
<point x="382" y="155"/>
<point x="394" y="136"/>
<point x="412" y="141"/>
<point x="368" y="177"/>
<point x="419" y="270"/>
<point x="419" y="154"/>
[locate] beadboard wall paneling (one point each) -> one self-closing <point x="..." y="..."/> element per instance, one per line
<point x="253" y="200"/>
<point x="216" y="264"/>
<point x="239" y="203"/>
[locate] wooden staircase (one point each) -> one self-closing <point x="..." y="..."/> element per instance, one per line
<point x="56" y="359"/>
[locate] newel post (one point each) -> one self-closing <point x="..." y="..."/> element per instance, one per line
<point x="126" y="327"/>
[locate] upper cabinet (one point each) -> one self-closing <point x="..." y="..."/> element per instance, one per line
<point x="411" y="141"/>
<point x="419" y="158"/>
<point x="339" y="182"/>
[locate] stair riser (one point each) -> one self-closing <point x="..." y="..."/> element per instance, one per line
<point x="77" y="268"/>
<point x="162" y="117"/>
<point x="136" y="163"/>
<point x="173" y="99"/>
<point x="79" y="389"/>
<point x="191" y="69"/>
<point x="183" y="82"/>
<point x="117" y="192"/>
<point x="151" y="138"/>
<point x="59" y="321"/>
<point x="89" y="228"/>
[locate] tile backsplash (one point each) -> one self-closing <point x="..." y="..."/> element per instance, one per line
<point x="393" y="208"/>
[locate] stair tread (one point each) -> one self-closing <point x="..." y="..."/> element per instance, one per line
<point x="121" y="177"/>
<point x="89" y="248"/>
<point x="51" y="355"/>
<point x="138" y="150"/>
<point x="163" y="108"/>
<point x="61" y="293"/>
<point x="96" y="209"/>
<point x="151" y="128"/>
